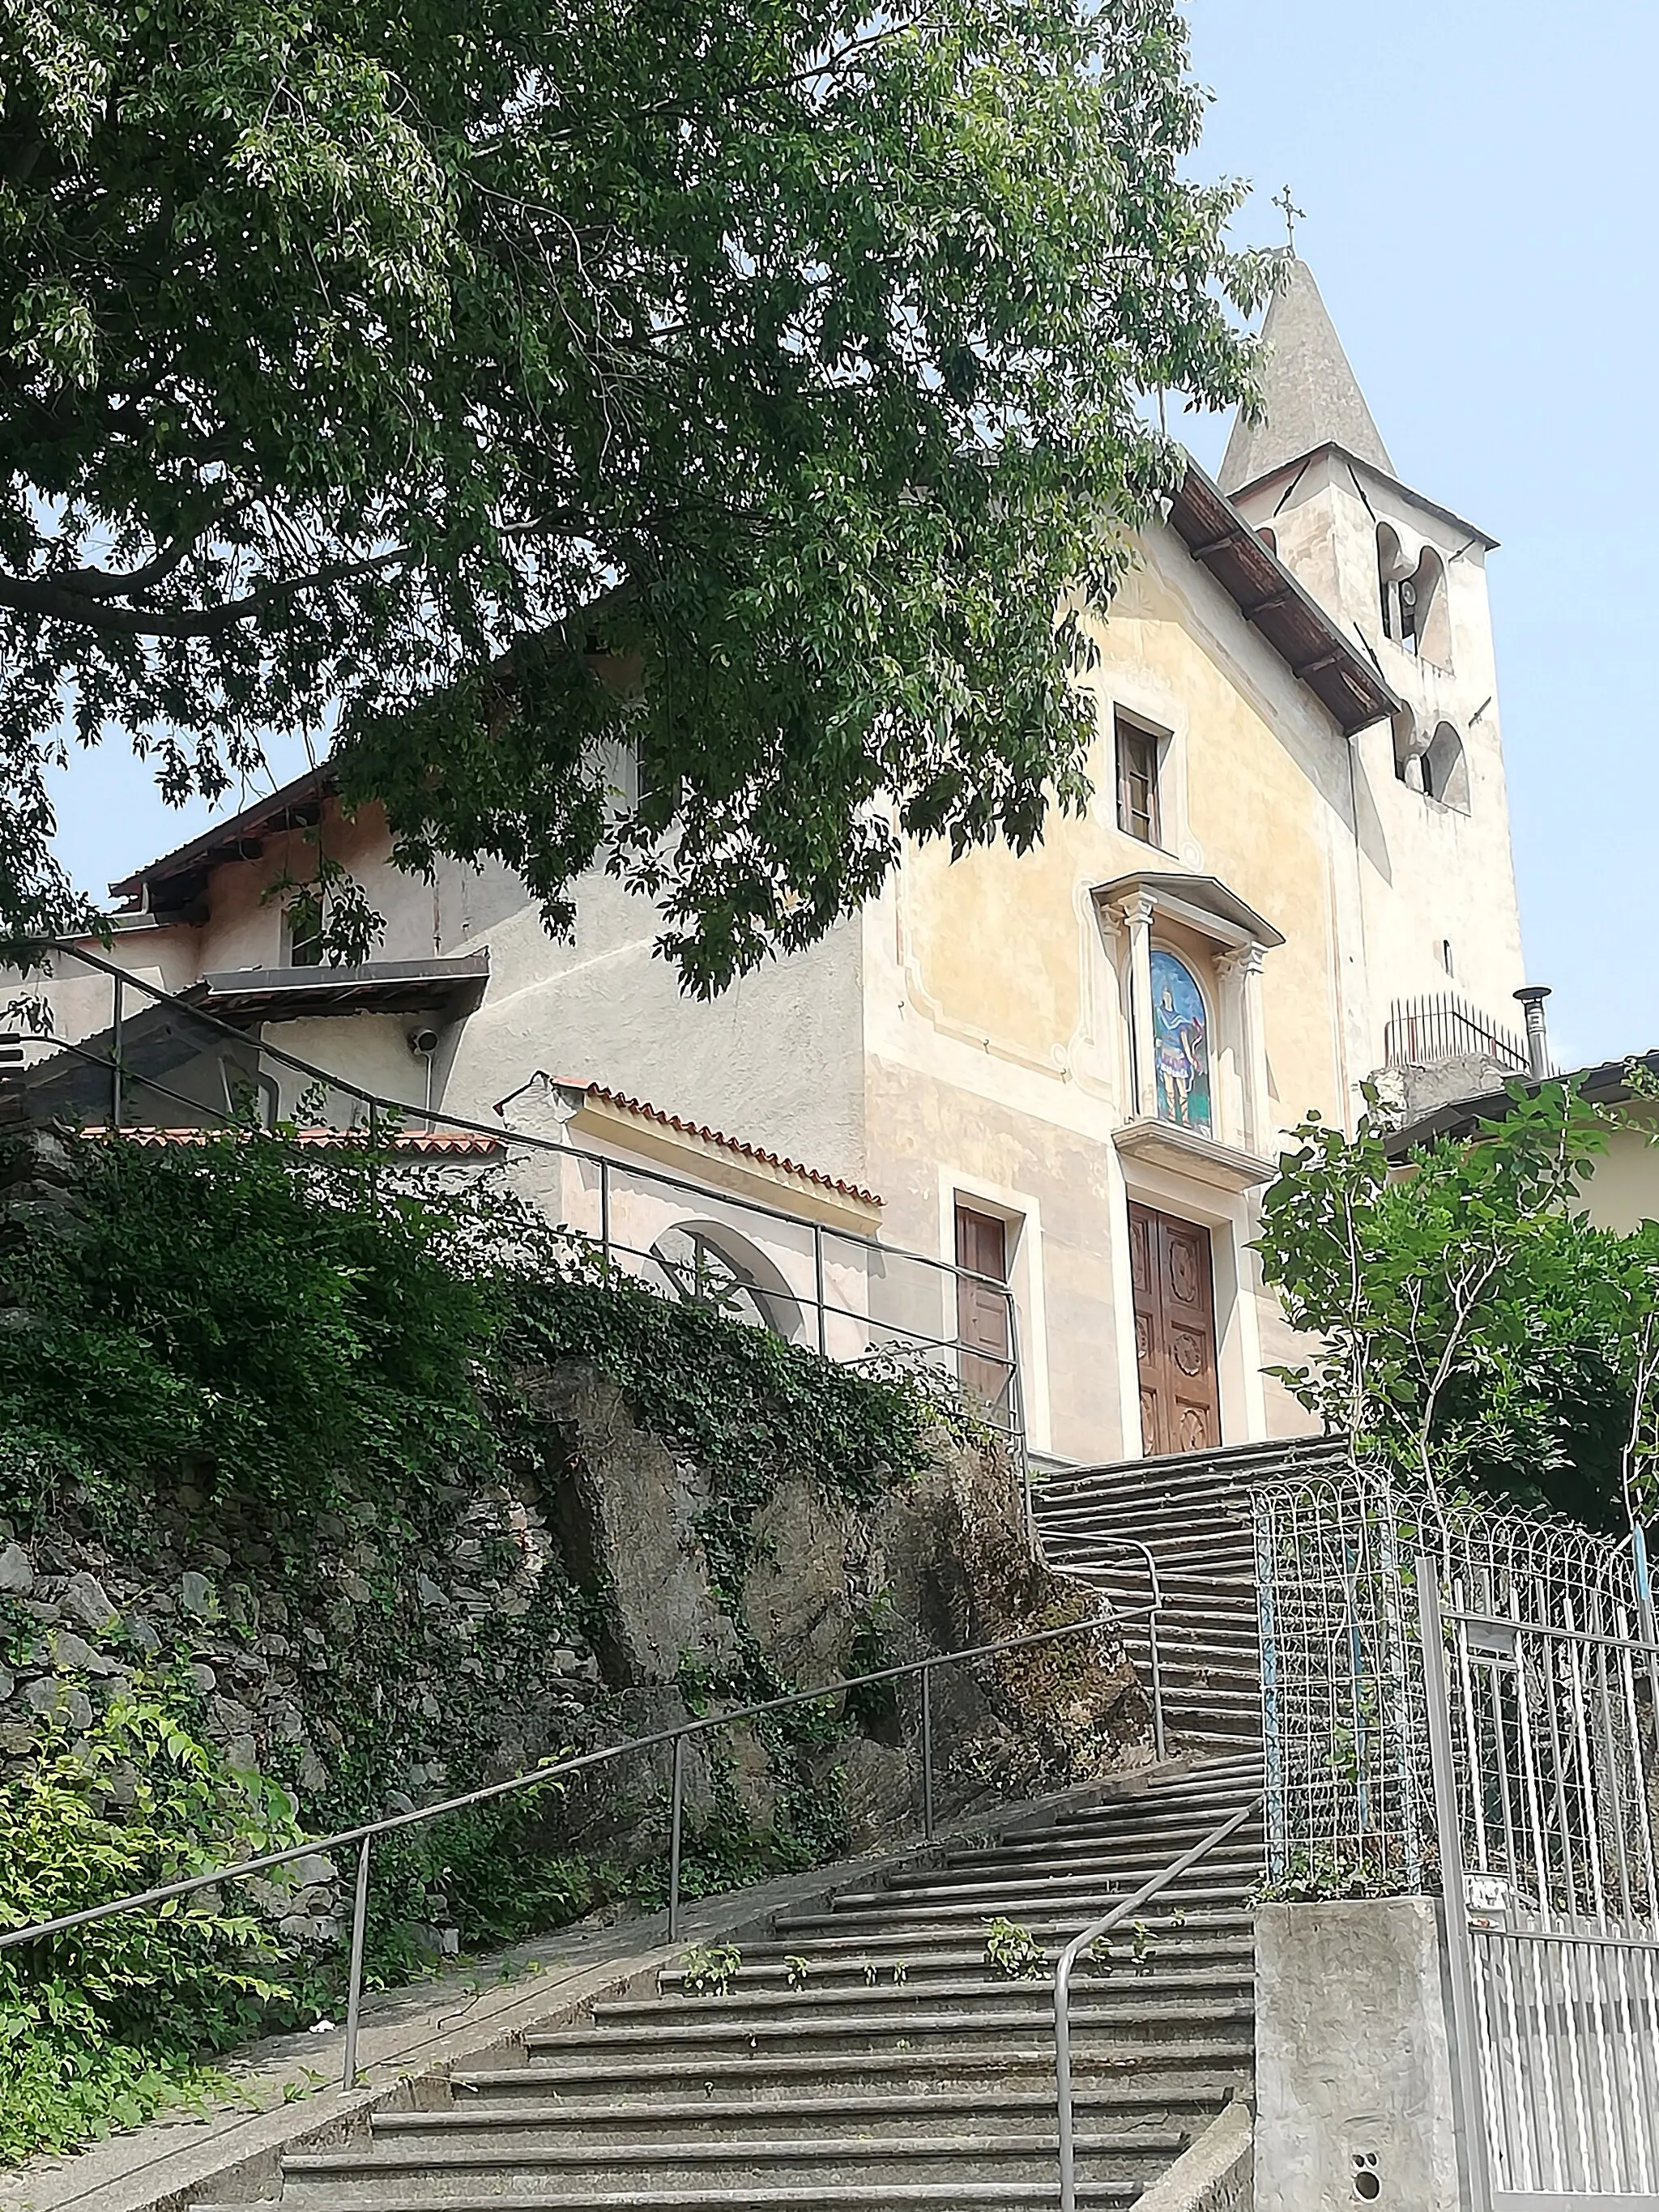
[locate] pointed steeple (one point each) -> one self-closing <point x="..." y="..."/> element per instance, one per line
<point x="1312" y="395"/>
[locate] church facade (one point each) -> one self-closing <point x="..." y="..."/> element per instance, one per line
<point x="1072" y="1070"/>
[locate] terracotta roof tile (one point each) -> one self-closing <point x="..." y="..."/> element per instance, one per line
<point x="445" y="1144"/>
<point x="647" y="1112"/>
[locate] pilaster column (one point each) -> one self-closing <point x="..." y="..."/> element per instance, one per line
<point x="1136" y="913"/>
<point x="1246" y="965"/>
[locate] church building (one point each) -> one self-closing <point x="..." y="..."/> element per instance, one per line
<point x="1068" y="1070"/>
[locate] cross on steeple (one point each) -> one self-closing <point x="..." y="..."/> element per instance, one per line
<point x="1291" y="213"/>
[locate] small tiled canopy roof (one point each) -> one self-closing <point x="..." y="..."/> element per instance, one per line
<point x="643" y="1111"/>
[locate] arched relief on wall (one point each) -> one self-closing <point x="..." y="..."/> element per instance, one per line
<point x="707" y="1263"/>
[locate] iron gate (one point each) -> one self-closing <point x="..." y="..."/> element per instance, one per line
<point x="1467" y="1702"/>
<point x="1540" y="1724"/>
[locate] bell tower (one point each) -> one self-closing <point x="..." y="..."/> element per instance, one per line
<point x="1408" y="578"/>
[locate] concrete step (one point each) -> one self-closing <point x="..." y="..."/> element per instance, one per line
<point x="1230" y="1588"/>
<point x="865" y="1966"/>
<point x="1075" y="1849"/>
<point x="1105" y="2012"/>
<point x="1093" y="2194"/>
<point x="1180" y="1781"/>
<point x="524" y="2123"/>
<point x="1196" y="1642"/>
<point x="1191" y="1535"/>
<point x="885" y="2001"/>
<point x="959" y="1947"/>
<point x="1153" y="1516"/>
<point x="992" y="1886"/>
<point x="1211" y="1688"/>
<point x="1163" y="2067"/>
<point x="918" y="1921"/>
<point x="487" y="2171"/>
<point x="1233" y="1464"/>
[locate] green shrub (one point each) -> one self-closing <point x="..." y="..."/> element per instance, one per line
<point x="242" y="1313"/>
<point x="101" y="2026"/>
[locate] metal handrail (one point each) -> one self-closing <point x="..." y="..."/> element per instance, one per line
<point x="1069" y="1958"/>
<point x="363" y="1836"/>
<point x="503" y="1134"/>
<point x="1154" y="1653"/>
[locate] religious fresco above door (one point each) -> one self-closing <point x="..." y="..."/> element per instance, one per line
<point x="1181" y="1043"/>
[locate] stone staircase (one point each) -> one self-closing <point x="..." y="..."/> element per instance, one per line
<point x="867" y="2054"/>
<point x="1195" y="1516"/>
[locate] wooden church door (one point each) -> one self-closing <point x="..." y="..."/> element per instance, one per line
<point x="1174" y="1297"/>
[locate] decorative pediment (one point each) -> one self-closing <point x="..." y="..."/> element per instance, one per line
<point x="1202" y="903"/>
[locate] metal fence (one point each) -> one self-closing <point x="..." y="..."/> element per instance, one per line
<point x="1465" y="1701"/>
<point x="143" y="1058"/>
<point x="1427" y="1032"/>
<point x="1350" y="1803"/>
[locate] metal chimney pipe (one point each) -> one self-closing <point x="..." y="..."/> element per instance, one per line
<point x="1532" y="997"/>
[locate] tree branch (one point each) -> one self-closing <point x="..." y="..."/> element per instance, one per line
<point x="112" y="584"/>
<point x="59" y="599"/>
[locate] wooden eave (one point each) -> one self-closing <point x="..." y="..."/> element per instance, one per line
<point x="1335" y="668"/>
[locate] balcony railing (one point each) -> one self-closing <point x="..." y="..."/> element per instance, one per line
<point x="1428" y="1032"/>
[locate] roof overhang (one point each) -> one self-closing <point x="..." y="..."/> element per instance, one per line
<point x="450" y="989"/>
<point x="1331" y="450"/>
<point x="1333" y="667"/>
<point x="1606" y="1084"/>
<point x="170" y="887"/>
<point x="1202" y="902"/>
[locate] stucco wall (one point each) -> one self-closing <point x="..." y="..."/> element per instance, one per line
<point x="776" y="1060"/>
<point x="1623" y="1192"/>
<point x="1003" y="950"/>
<point x="1354" y="2098"/>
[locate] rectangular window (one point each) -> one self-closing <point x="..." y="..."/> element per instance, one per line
<point x="303" y="924"/>
<point x="1136" y="782"/>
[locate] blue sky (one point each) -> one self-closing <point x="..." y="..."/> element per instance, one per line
<point x="1478" y="180"/>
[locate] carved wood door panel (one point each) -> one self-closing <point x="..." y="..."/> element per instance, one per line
<point x="1171" y="1280"/>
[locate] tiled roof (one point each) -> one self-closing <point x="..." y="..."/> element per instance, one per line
<point x="443" y="1144"/>
<point x="646" y="1112"/>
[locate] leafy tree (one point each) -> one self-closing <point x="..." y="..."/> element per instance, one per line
<point x="1471" y="1326"/>
<point x="747" y="383"/>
